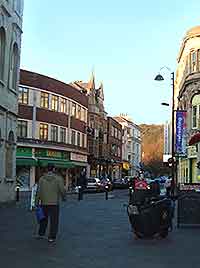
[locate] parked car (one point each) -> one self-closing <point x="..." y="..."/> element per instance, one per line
<point x="120" y="183"/>
<point x="93" y="184"/>
<point x="106" y="182"/>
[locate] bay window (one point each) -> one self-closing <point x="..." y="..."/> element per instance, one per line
<point x="44" y="100"/>
<point x="193" y="61"/>
<point x="54" y="103"/>
<point x="43" y="131"/>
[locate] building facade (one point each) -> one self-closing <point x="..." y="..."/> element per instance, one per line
<point x="187" y="89"/>
<point x="51" y="129"/>
<point x="97" y="127"/>
<point x="131" y="146"/>
<point x="114" y="141"/>
<point x="10" y="44"/>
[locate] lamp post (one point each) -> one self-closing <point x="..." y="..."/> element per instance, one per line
<point x="159" y="77"/>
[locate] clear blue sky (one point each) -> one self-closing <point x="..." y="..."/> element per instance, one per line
<point x="125" y="41"/>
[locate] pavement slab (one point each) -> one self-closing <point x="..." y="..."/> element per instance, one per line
<point x="93" y="233"/>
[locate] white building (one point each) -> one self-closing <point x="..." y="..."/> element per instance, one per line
<point x="10" y="44"/>
<point x="131" y="145"/>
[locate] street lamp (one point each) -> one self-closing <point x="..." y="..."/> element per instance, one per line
<point x="159" y="77"/>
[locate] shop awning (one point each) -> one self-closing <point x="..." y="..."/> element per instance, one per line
<point x="80" y="164"/>
<point x="194" y="139"/>
<point x="57" y="162"/>
<point x="26" y="162"/>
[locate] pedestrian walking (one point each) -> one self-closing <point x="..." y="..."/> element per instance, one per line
<point x="50" y="192"/>
<point x="82" y="180"/>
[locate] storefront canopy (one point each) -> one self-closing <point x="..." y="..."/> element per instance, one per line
<point x="80" y="164"/>
<point x="26" y="162"/>
<point x="57" y="162"/>
<point x="194" y="139"/>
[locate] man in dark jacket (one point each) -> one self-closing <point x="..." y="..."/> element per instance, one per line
<point x="82" y="180"/>
<point x="49" y="193"/>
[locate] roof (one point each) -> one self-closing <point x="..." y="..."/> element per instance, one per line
<point x="122" y="119"/>
<point x="193" y="31"/>
<point x="40" y="81"/>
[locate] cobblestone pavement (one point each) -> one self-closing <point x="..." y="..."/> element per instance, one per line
<point x="93" y="233"/>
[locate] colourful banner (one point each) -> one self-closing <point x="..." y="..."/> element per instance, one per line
<point x="181" y="132"/>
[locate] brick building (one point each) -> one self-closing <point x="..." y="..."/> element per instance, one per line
<point x="51" y="128"/>
<point x="96" y="128"/>
<point x="114" y="141"/>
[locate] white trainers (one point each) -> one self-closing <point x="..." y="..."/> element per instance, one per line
<point x="50" y="240"/>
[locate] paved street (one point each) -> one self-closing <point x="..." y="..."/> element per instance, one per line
<point x="93" y="233"/>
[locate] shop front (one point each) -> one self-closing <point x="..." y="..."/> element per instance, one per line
<point x="25" y="168"/>
<point x="32" y="163"/>
<point x="192" y="158"/>
<point x="79" y="162"/>
<point x="125" y="168"/>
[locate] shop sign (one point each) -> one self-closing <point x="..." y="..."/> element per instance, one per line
<point x="192" y="151"/>
<point x="54" y="154"/>
<point x="24" y="151"/>
<point x="51" y="154"/>
<point x="126" y="166"/>
<point x="78" y="157"/>
<point x="181" y="132"/>
<point x="189" y="187"/>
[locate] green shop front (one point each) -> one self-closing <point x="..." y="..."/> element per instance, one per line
<point x="32" y="164"/>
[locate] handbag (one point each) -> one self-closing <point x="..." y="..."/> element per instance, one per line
<point x="39" y="213"/>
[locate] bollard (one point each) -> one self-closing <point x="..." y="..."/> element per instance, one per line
<point x="17" y="193"/>
<point x="106" y="191"/>
<point x="80" y="197"/>
<point x="130" y="192"/>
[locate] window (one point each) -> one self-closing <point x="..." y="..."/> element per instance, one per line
<point x="14" y="67"/>
<point x="119" y="152"/>
<point x="2" y="51"/>
<point x="43" y="131"/>
<point x="112" y="131"/>
<point x="23" y="95"/>
<point x="83" y="140"/>
<point x="73" y="112"/>
<point x="44" y="101"/>
<point x="198" y="56"/>
<point x="194" y="116"/>
<point x="78" y="111"/>
<point x="54" y="133"/>
<point x="63" y="105"/>
<point x="22" y="129"/>
<point x="78" y="139"/>
<point x="62" y="135"/>
<point x="73" y="137"/>
<point x="195" y="111"/>
<point x="193" y="61"/>
<point x="54" y="103"/>
<point x="116" y="133"/>
<point x="119" y="135"/>
<point x="83" y="114"/>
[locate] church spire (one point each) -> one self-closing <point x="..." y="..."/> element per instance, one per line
<point x="101" y="92"/>
<point x="91" y="83"/>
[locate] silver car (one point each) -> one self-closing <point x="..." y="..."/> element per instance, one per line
<point x="93" y="184"/>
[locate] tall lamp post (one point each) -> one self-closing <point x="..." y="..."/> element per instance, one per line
<point x="159" y="77"/>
